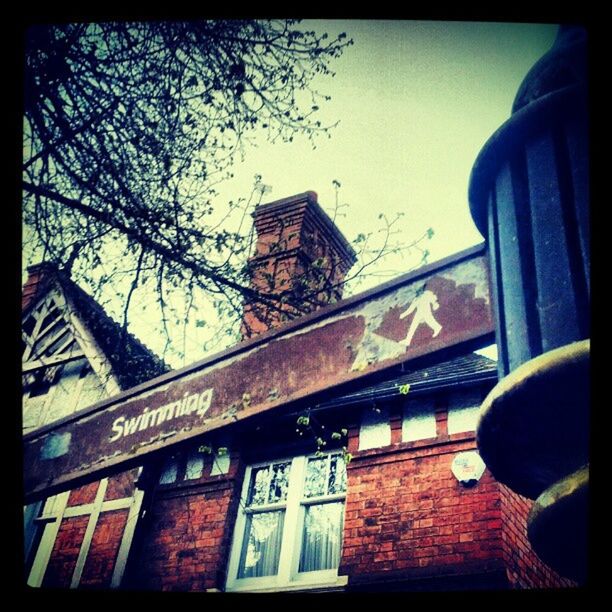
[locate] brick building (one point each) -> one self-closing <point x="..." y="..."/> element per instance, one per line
<point x="78" y="538"/>
<point x="356" y="488"/>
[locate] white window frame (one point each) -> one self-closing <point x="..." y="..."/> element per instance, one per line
<point x="56" y="507"/>
<point x="288" y="576"/>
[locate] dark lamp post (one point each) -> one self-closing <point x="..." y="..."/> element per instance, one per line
<point x="529" y="197"/>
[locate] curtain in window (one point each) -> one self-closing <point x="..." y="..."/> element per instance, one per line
<point x="322" y="537"/>
<point x="261" y="545"/>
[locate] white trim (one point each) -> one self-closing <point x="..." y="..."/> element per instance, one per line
<point x="116" y="504"/>
<point x="339" y="582"/>
<point x="41" y="333"/>
<point x="288" y="551"/>
<point x="45" y="343"/>
<point x="287" y="578"/>
<point x="238" y="532"/>
<point x="107" y="506"/>
<point x="78" y="332"/>
<point x="69" y="340"/>
<point x="54" y="509"/>
<point x="91" y="526"/>
<point x="78" y="389"/>
<point x="39" y="314"/>
<point x="44" y="411"/>
<point x="44" y="312"/>
<point x="37" y="364"/>
<point x="126" y="541"/>
<point x="86" y="347"/>
<point x="82" y="510"/>
<point x="95" y="356"/>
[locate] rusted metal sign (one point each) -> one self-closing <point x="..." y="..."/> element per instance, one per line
<point x="428" y="310"/>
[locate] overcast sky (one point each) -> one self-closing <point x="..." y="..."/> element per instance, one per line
<point x="415" y="101"/>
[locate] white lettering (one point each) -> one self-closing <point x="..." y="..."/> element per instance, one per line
<point x="131" y="425"/>
<point x="184" y="402"/>
<point x="158" y="416"/>
<point x="191" y="404"/>
<point x="118" y="428"/>
<point x="194" y="402"/>
<point x="205" y="400"/>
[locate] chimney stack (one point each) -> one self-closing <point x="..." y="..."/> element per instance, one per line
<point x="39" y="276"/>
<point x="300" y="254"/>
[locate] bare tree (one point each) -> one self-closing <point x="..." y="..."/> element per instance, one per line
<point x="129" y="130"/>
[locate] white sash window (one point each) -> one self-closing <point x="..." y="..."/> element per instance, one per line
<point x="289" y="529"/>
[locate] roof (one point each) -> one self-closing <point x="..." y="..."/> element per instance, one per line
<point x="132" y="361"/>
<point x="469" y="368"/>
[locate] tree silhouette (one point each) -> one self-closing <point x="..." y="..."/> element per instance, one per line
<point x="129" y="129"/>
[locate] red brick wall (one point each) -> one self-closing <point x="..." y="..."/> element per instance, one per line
<point x="408" y="517"/>
<point x="186" y="544"/>
<point x="38" y="278"/>
<point x="83" y="495"/>
<point x="100" y="563"/>
<point x="65" y="552"/>
<point x="121" y="486"/>
<point x="106" y="540"/>
<point x="524" y="568"/>
<point x="290" y="233"/>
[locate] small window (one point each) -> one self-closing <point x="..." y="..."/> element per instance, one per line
<point x="419" y="422"/>
<point x="169" y="472"/>
<point x="289" y="529"/>
<point x="221" y="464"/>
<point x="375" y="430"/>
<point x="464" y="412"/>
<point x="194" y="466"/>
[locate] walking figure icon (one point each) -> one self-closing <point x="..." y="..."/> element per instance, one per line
<point x="423" y="307"/>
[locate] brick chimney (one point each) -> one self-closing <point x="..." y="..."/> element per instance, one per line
<point x="39" y="275"/>
<point x="298" y="250"/>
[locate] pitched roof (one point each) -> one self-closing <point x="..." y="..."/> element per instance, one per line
<point x="132" y="361"/>
<point x="459" y="370"/>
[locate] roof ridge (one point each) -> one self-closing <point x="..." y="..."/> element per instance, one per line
<point x="135" y="338"/>
<point x="135" y="362"/>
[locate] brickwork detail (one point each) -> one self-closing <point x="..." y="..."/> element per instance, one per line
<point x="121" y="486"/>
<point x="100" y="563"/>
<point x="406" y="513"/>
<point x="524" y="569"/>
<point x="83" y="495"/>
<point x="187" y="542"/>
<point x="291" y="235"/>
<point x="65" y="552"/>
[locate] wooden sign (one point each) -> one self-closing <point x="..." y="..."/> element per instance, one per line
<point x="436" y="307"/>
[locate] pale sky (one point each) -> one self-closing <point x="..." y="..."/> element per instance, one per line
<point x="416" y="102"/>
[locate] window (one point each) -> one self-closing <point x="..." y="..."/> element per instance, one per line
<point x="419" y="420"/>
<point x="375" y="430"/>
<point x="463" y="412"/>
<point x="289" y="528"/>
